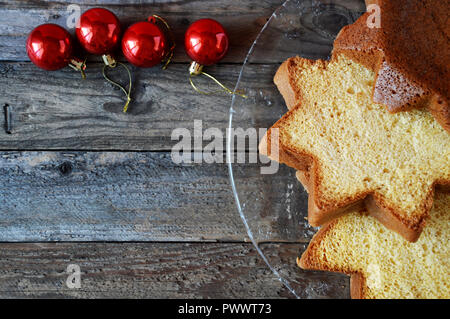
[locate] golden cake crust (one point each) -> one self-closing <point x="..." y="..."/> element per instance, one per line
<point x="410" y="53"/>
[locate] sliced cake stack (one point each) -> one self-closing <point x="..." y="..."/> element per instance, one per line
<point x="369" y="139"/>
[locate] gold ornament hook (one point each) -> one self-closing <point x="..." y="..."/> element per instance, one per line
<point x="197" y="69"/>
<point x="112" y="63"/>
<point x="168" y="57"/>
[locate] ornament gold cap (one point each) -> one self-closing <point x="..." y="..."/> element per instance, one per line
<point x="78" y="65"/>
<point x="195" y="68"/>
<point x="109" y="60"/>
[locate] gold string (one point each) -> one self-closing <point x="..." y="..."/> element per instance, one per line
<point x="168" y="58"/>
<point x="82" y="68"/>
<point x="238" y="92"/>
<point x="127" y="93"/>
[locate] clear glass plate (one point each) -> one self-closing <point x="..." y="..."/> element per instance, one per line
<point x="274" y="207"/>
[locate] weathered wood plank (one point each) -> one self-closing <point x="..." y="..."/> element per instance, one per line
<point x="140" y="270"/>
<point x="60" y="111"/>
<point x="109" y="196"/>
<point x="242" y="19"/>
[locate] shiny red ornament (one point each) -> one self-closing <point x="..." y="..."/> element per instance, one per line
<point x="50" y="47"/>
<point x="144" y="44"/>
<point x="98" y="31"/>
<point x="206" y="41"/>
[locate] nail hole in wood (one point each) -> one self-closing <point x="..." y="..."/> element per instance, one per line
<point x="7" y="112"/>
<point x="65" y="168"/>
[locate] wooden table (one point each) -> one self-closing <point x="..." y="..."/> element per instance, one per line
<point x="82" y="183"/>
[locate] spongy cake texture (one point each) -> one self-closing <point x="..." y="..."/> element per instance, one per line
<point x="357" y="148"/>
<point x="389" y="266"/>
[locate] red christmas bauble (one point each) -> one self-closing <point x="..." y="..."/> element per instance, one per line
<point x="98" y="31"/>
<point x="50" y="47"/>
<point x="144" y="44"/>
<point x="206" y="41"/>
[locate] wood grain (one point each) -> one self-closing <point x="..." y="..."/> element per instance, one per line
<point x="144" y="196"/>
<point x="58" y="110"/>
<point x="242" y="20"/>
<point x="159" y="270"/>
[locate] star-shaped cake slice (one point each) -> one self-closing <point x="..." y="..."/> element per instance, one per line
<point x="358" y="155"/>
<point x="381" y="263"/>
